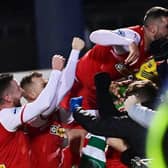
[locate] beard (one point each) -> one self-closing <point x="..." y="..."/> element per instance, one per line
<point x="17" y="103"/>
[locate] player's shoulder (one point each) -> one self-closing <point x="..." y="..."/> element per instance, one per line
<point x="9" y="111"/>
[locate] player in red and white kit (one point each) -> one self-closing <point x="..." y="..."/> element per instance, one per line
<point x="14" y="143"/>
<point x="127" y="46"/>
<point x="15" y="148"/>
<point x="47" y="134"/>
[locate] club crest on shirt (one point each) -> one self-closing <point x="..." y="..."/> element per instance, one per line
<point x="57" y="130"/>
<point x="2" y="166"/>
<point x="119" y="67"/>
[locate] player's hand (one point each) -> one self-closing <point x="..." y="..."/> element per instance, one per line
<point x="114" y="87"/>
<point x="58" y="62"/>
<point x="78" y="43"/>
<point x="133" y="55"/>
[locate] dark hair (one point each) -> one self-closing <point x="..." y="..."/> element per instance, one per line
<point x="145" y="90"/>
<point x="5" y="80"/>
<point x="28" y="79"/>
<point x="159" y="49"/>
<point x="154" y="13"/>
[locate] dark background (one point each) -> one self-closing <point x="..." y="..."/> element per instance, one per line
<point x="31" y="31"/>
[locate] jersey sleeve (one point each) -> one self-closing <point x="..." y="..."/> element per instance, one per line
<point x="44" y="100"/>
<point x="66" y="81"/>
<point x="10" y="118"/>
<point x="68" y="75"/>
<point x="128" y="34"/>
<point x="142" y="115"/>
<point x="122" y="37"/>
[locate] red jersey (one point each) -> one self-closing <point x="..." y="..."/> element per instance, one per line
<point x="15" y="149"/>
<point x="46" y="145"/>
<point x="100" y="59"/>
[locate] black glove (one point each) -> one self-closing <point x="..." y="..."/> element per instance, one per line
<point x="159" y="49"/>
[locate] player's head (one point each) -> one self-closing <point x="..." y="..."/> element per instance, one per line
<point x="156" y="21"/>
<point x="144" y="90"/>
<point x="33" y="84"/>
<point x="10" y="91"/>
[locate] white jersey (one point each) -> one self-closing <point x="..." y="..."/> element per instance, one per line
<point x="142" y="115"/>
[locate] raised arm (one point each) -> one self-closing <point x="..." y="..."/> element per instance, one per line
<point x="68" y="75"/>
<point x="123" y="37"/>
<point x="42" y="103"/>
<point x="11" y="118"/>
<point x="123" y="40"/>
<point x="46" y="97"/>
